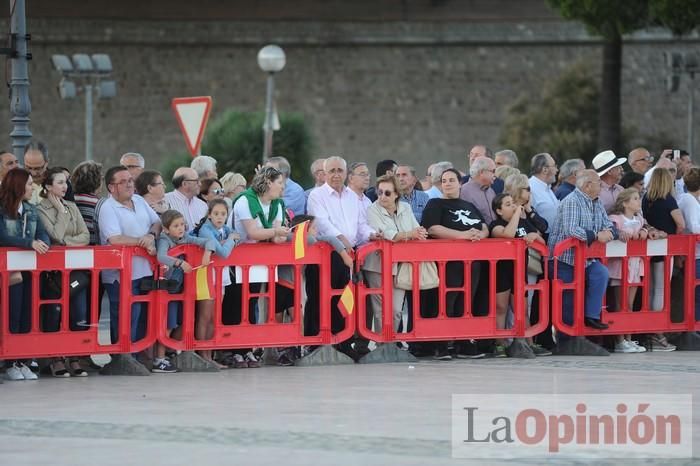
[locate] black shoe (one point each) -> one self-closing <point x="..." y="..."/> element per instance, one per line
<point x="595" y="323"/>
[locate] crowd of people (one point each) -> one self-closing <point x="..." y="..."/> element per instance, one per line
<point x="42" y="205"/>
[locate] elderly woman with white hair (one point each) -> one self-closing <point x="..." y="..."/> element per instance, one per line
<point x="205" y="167"/>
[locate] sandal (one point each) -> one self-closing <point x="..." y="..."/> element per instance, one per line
<point x="76" y="369"/>
<point x="58" y="369"/>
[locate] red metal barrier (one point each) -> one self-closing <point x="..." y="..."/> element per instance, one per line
<point x="442" y="327"/>
<point x="66" y="342"/>
<point x="624" y="320"/>
<point x="251" y="260"/>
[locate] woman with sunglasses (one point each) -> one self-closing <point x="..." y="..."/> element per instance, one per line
<point x="211" y="189"/>
<point x="394" y="221"/>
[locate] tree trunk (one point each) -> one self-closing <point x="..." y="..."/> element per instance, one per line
<point x="609" y="124"/>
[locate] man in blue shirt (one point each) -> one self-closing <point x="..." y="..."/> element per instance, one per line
<point x="406" y="176"/>
<point x="581" y="215"/>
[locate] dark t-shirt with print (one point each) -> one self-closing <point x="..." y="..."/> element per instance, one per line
<point x="456" y="214"/>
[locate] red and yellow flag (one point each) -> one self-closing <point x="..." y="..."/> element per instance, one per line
<point x="300" y="240"/>
<point x="347" y="300"/>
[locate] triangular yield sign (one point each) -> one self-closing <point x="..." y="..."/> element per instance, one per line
<point x="192" y="114"/>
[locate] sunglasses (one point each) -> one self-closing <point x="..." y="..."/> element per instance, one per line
<point x="386" y="193"/>
<point x="217" y="191"/>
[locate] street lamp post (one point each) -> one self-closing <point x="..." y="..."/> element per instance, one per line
<point x="20" y="105"/>
<point x="271" y="60"/>
<point x="92" y="73"/>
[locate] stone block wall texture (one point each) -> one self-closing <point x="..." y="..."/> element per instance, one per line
<point x="416" y="91"/>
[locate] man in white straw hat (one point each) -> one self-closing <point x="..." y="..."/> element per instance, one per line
<point x="609" y="167"/>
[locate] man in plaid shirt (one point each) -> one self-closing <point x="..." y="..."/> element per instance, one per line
<point x="582" y="216"/>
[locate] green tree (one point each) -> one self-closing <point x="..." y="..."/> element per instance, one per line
<point x="235" y="140"/>
<point x="563" y="120"/>
<point x="610" y="19"/>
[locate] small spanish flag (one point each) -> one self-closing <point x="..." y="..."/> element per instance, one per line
<point x="347" y="300"/>
<point x="203" y="284"/>
<point x="300" y="240"/>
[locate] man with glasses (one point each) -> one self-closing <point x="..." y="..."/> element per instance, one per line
<point x="127" y="220"/>
<point x="36" y="162"/>
<point x="478" y="190"/>
<point x="337" y="213"/>
<point x="640" y="160"/>
<point x="184" y="197"/>
<point x="543" y="175"/>
<point x="358" y="182"/>
<point x="134" y="162"/>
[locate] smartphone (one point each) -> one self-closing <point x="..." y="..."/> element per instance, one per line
<point x="676" y="154"/>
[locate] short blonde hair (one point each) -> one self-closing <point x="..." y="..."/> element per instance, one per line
<point x="504" y="171"/>
<point x="230" y="180"/>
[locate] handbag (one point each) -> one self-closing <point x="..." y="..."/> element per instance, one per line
<point x="52" y="287"/>
<point x="534" y="262"/>
<point x="428" y="276"/>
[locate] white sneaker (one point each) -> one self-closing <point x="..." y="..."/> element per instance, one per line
<point x="13" y="373"/>
<point x="27" y="372"/>
<point x="640" y="349"/>
<point x="625" y="347"/>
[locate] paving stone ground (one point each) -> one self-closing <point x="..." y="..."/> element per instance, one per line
<point x="394" y="414"/>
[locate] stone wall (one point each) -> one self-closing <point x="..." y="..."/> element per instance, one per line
<point x="413" y="91"/>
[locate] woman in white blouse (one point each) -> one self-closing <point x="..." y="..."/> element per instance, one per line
<point x="394" y="221"/>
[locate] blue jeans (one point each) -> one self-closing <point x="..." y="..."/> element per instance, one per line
<point x="78" y="309"/>
<point x="19" y="313"/>
<point x="596" y="285"/>
<point x="138" y="311"/>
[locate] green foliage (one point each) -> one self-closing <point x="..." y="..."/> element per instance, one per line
<point x="235" y="140"/>
<point x="607" y="18"/>
<point x="680" y="16"/>
<point x="563" y="120"/>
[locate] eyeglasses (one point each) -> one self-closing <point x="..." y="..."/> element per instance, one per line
<point x="363" y="175"/>
<point x="336" y="171"/>
<point x="526" y="189"/>
<point x="386" y="193"/>
<point x="191" y="181"/>
<point x="217" y="191"/>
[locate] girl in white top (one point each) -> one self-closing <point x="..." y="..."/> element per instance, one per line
<point x="627" y="216"/>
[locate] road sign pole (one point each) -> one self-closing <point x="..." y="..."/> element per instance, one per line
<point x="268" y="126"/>
<point x="20" y="106"/>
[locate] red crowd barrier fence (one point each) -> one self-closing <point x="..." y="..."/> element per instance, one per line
<point x="625" y="319"/>
<point x="40" y="338"/>
<point x="478" y="320"/>
<point x="271" y="265"/>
